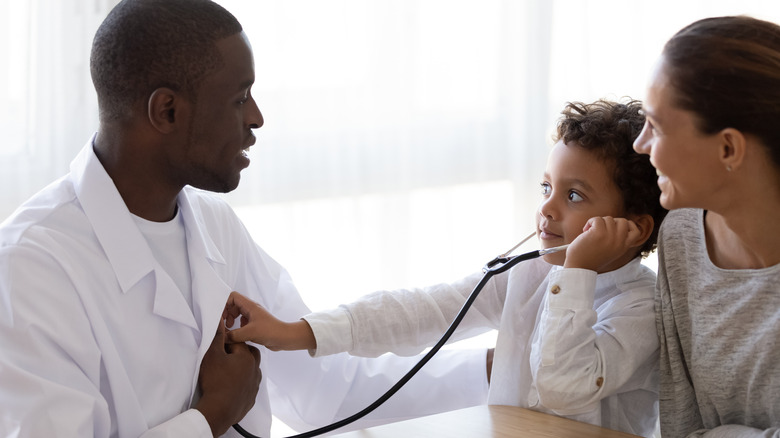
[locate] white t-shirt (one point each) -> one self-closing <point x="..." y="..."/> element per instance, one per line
<point x="168" y="241"/>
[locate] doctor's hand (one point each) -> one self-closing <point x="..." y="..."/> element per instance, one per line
<point x="259" y="326"/>
<point x="605" y="244"/>
<point x="229" y="380"/>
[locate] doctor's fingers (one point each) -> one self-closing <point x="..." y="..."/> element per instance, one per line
<point x="220" y="338"/>
<point x="244" y="350"/>
<point x="242" y="364"/>
<point x="250" y="357"/>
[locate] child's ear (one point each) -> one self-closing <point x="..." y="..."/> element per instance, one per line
<point x="645" y="223"/>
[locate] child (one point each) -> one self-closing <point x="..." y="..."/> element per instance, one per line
<point x="576" y="330"/>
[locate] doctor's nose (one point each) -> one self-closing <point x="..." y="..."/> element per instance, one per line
<point x="254" y="118"/>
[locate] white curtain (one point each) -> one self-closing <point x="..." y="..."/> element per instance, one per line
<point x="48" y="103"/>
<point x="404" y="140"/>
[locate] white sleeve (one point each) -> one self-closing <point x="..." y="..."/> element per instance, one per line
<point x="405" y="322"/>
<point x="579" y="357"/>
<point x="190" y="423"/>
<point x="307" y="392"/>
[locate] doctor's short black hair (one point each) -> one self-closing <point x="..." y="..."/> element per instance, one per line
<point x="608" y="129"/>
<point x="143" y="45"/>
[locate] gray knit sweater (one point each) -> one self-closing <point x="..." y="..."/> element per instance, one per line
<point x="720" y="339"/>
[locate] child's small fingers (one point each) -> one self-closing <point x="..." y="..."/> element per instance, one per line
<point x="634" y="234"/>
<point x="596" y="223"/>
<point x="237" y="335"/>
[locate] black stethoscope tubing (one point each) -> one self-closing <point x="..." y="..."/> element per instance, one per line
<point x="495" y="266"/>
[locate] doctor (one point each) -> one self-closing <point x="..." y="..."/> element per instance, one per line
<point x="113" y="278"/>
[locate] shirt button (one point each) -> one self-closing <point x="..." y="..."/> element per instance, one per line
<point x="599" y="382"/>
<point x="555" y="289"/>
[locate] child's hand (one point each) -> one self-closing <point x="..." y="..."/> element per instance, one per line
<point x="259" y="326"/>
<point x="603" y="243"/>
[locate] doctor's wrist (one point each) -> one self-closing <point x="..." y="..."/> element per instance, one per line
<point x="214" y="417"/>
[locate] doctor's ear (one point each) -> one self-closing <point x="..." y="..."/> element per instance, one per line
<point x="163" y="109"/>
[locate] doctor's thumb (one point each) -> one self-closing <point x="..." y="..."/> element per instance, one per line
<point x="220" y="340"/>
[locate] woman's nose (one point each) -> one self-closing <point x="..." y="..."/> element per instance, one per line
<point x="642" y="142"/>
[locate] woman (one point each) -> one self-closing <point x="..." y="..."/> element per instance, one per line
<point x="713" y="133"/>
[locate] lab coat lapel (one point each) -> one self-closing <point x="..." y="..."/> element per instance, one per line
<point x="121" y="240"/>
<point x="124" y="245"/>
<point x="209" y="289"/>
<point x="169" y="301"/>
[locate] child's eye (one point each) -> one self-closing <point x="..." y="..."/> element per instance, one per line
<point x="545" y="189"/>
<point x="575" y="197"/>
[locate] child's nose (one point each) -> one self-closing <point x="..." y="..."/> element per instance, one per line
<point x="547" y="209"/>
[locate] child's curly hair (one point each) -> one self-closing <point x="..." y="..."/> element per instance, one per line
<point x="608" y="129"/>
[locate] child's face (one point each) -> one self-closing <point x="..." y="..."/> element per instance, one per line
<point x="576" y="186"/>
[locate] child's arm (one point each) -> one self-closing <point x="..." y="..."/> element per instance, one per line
<point x="603" y="242"/>
<point x="265" y="329"/>
<point x="595" y="338"/>
<point x="403" y="322"/>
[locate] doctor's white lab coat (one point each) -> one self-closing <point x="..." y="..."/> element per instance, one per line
<point x="97" y="340"/>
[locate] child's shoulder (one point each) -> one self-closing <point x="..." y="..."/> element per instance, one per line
<point x="634" y="278"/>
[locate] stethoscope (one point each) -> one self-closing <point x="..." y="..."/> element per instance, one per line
<point x="498" y="265"/>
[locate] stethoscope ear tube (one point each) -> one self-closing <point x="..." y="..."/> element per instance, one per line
<point x="489" y="271"/>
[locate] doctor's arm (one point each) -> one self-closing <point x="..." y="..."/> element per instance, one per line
<point x="310" y="392"/>
<point x="229" y="380"/>
<point x="52" y="370"/>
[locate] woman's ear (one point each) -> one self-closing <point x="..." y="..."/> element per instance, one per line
<point x="732" y="148"/>
<point x="163" y="109"/>
<point x="645" y="223"/>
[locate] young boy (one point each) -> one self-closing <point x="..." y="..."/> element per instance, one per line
<point x="576" y="330"/>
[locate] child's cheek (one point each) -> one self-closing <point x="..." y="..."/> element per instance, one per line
<point x="556" y="258"/>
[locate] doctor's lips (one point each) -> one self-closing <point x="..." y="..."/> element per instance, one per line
<point x="249" y="144"/>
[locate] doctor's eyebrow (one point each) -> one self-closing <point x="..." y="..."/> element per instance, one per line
<point x="246" y="84"/>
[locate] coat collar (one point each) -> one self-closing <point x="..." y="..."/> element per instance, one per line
<point x="130" y="255"/>
<point x="124" y="245"/>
